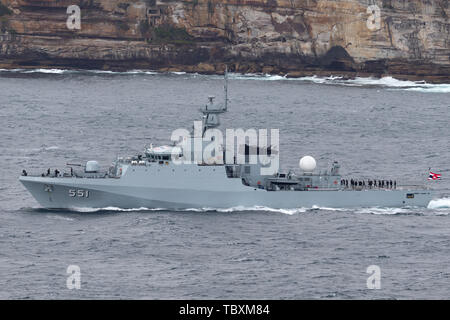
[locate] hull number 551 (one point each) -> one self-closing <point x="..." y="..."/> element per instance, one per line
<point x="79" y="193"/>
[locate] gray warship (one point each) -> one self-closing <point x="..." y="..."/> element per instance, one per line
<point x="157" y="179"/>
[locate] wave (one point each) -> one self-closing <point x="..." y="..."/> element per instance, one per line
<point x="443" y="88"/>
<point x="70" y="71"/>
<point x="256" y="76"/>
<point x="44" y="71"/>
<point x="57" y="217"/>
<point x="390" y="82"/>
<point x="443" y="203"/>
<point x="385" y="82"/>
<point x="385" y="211"/>
<point x="39" y="150"/>
<point x="50" y="148"/>
<point x="206" y="209"/>
<point x="50" y="71"/>
<point x="131" y="72"/>
<point x="435" y="204"/>
<point x="255" y="208"/>
<point x="114" y="209"/>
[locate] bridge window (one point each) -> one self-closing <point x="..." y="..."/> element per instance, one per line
<point x="232" y="171"/>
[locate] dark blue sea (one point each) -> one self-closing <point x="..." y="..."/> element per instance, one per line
<point x="376" y="128"/>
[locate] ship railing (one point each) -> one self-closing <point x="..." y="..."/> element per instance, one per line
<point x="413" y="187"/>
<point x="398" y="187"/>
<point x="75" y="175"/>
<point x="323" y="189"/>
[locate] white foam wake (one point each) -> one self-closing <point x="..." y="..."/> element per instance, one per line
<point x="255" y="208"/>
<point x="288" y="211"/>
<point x="443" y="203"/>
<point x="91" y="210"/>
<point x="205" y="209"/>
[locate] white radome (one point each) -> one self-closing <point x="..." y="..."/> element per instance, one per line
<point x="92" y="166"/>
<point x="308" y="164"/>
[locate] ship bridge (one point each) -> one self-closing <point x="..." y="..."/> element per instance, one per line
<point x="163" y="153"/>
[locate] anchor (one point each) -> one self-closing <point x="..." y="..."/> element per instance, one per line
<point x="49" y="189"/>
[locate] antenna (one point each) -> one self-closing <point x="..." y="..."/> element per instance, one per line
<point x="210" y="113"/>
<point x="226" y="88"/>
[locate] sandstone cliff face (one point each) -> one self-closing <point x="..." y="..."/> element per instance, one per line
<point x="405" y="38"/>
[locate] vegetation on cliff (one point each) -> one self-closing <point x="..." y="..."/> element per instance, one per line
<point x="165" y="33"/>
<point x="4" y="10"/>
<point x="5" y="26"/>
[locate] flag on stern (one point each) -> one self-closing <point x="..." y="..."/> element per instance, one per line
<point x="434" y="176"/>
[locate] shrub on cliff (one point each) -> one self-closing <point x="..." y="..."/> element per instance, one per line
<point x="123" y="26"/>
<point x="144" y="28"/>
<point x="169" y="33"/>
<point x="150" y="3"/>
<point x="165" y="33"/>
<point x="4" y="25"/>
<point x="4" y="10"/>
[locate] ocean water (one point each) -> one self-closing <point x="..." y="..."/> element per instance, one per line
<point x="376" y="128"/>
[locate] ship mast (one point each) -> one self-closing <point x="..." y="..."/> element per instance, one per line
<point x="226" y="88"/>
<point x="211" y="112"/>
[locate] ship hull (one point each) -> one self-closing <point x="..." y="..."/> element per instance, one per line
<point x="120" y="193"/>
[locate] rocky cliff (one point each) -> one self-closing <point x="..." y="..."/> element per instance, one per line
<point x="404" y="38"/>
